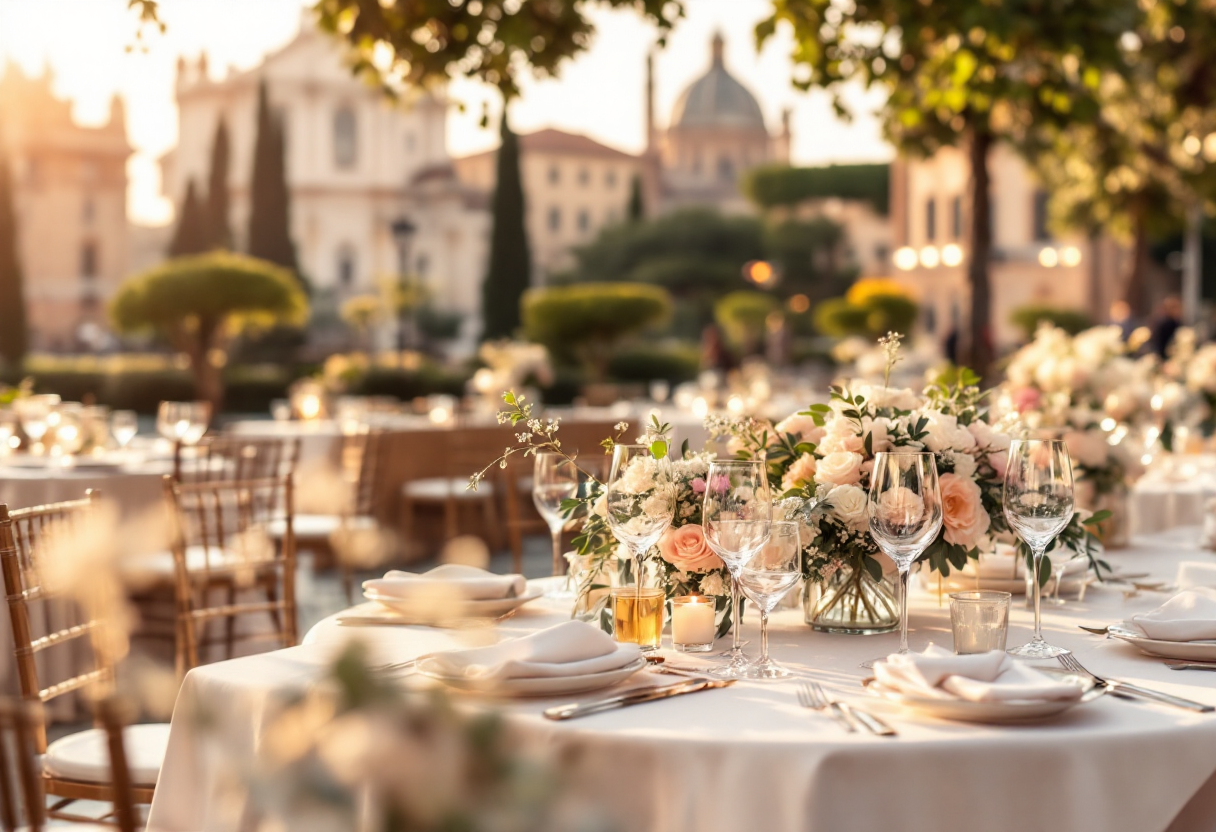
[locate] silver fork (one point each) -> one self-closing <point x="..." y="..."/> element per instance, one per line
<point x="858" y="716"/>
<point x="1127" y="689"/>
<point x="811" y="695"/>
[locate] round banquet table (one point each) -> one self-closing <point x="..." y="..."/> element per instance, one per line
<point x="1173" y="494"/>
<point x="748" y="757"/>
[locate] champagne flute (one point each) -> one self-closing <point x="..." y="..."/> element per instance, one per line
<point x="640" y="502"/>
<point x="737" y="516"/>
<point x="905" y="515"/>
<point x="1038" y="505"/>
<point x="124" y="424"/>
<point x="554" y="479"/>
<point x="765" y="579"/>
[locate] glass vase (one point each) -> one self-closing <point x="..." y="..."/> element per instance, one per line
<point x="851" y="602"/>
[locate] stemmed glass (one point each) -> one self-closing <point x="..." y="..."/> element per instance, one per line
<point x="124" y="424"/>
<point x="35" y="413"/>
<point x="765" y="579"/>
<point x="184" y="422"/>
<point x="1038" y="505"/>
<point x="554" y="479"/>
<point x="905" y="515"/>
<point x="737" y="516"/>
<point x="640" y="501"/>
<point x="8" y="427"/>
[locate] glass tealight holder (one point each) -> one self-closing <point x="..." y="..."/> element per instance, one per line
<point x="692" y="623"/>
<point x="637" y="616"/>
<point x="980" y="620"/>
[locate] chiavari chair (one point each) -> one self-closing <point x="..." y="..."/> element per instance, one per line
<point x="221" y="538"/>
<point x="465" y="451"/>
<point x="78" y="766"/>
<point x="233" y="458"/>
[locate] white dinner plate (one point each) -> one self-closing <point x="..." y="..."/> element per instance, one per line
<point x="538" y="686"/>
<point x="962" y="710"/>
<point x="1199" y="651"/>
<point x="493" y="608"/>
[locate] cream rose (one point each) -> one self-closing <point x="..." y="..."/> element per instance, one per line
<point x="840" y="468"/>
<point x="943" y="432"/>
<point x="802" y="471"/>
<point x="900" y="506"/>
<point x="685" y="548"/>
<point x="803" y="427"/>
<point x="850" y="505"/>
<point x="714" y="585"/>
<point x="843" y="440"/>
<point x="963" y="515"/>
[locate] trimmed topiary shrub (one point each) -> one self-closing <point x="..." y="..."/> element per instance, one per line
<point x="1028" y="318"/>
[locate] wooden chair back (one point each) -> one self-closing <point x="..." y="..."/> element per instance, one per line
<point x="220" y="534"/>
<point x="22" y="802"/>
<point x="233" y="458"/>
<point x="23" y="537"/>
<point x="360" y="466"/>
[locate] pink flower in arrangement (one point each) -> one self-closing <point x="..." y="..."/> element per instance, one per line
<point x="720" y="483"/>
<point x="698" y="485"/>
<point x="1028" y="398"/>
<point x="685" y="548"/>
<point x="963" y="511"/>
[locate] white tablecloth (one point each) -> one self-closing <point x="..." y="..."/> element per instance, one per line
<point x="1173" y="494"/>
<point x="749" y="757"/>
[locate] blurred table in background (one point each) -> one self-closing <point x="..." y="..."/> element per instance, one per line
<point x="1173" y="493"/>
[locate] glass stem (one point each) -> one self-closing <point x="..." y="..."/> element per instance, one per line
<point x="905" y="570"/>
<point x="763" y="636"/>
<point x="1034" y="579"/>
<point x="734" y="611"/>
<point x="557" y="555"/>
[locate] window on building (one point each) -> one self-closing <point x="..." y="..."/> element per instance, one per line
<point x="88" y="259"/>
<point x="956" y="218"/>
<point x="584" y="220"/>
<point x="1040" y="216"/>
<point x="584" y="176"/>
<point x="346" y="266"/>
<point x="555" y="175"/>
<point x="555" y="219"/>
<point x="88" y="210"/>
<point x="726" y="169"/>
<point x="345" y="138"/>
<point x="610" y="178"/>
<point x="930" y="219"/>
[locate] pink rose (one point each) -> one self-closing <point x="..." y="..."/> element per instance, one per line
<point x="698" y="485"/>
<point x="999" y="462"/>
<point x="963" y="514"/>
<point x="685" y="549"/>
<point x="839" y="468"/>
<point x="802" y="471"/>
<point x="1028" y="398"/>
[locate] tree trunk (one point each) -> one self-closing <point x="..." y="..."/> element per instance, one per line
<point x="977" y="338"/>
<point x="1136" y="285"/>
<point x="208" y="378"/>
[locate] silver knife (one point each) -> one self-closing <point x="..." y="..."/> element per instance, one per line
<point x="872" y="723"/>
<point x="1128" y="690"/>
<point x="634" y="698"/>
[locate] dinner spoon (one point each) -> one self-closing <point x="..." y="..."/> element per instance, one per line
<point x="1190" y="666"/>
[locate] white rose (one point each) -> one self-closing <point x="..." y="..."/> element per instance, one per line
<point x="879" y="430"/>
<point x="964" y="465"/>
<point x="712" y="584"/>
<point x="639" y="476"/>
<point x="988" y="437"/>
<point x="840" y="468"/>
<point x="850" y="506"/>
<point x="900" y="398"/>
<point x="943" y="432"/>
<point x="803" y="427"/>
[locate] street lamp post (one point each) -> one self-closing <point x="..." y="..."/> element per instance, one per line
<point x="403" y="232"/>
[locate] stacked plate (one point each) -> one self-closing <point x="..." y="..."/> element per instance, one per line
<point x="409" y="611"/>
<point x="536" y="686"/>
<point x="1196" y="651"/>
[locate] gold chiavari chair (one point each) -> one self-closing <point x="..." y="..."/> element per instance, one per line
<point x="78" y="766"/>
<point x="464" y="451"/>
<point x="221" y="539"/>
<point x="232" y="458"/>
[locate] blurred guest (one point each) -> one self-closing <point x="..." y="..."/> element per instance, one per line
<point x="1165" y="325"/>
<point x="1121" y="316"/>
<point x="715" y="354"/>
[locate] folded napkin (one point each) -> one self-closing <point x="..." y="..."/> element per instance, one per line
<point x="572" y="648"/>
<point x="981" y="677"/>
<point x="1193" y="573"/>
<point x="465" y="582"/>
<point x="1188" y="616"/>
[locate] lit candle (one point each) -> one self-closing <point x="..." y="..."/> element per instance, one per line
<point x="692" y="621"/>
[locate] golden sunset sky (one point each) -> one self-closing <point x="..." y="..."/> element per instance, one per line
<point x="599" y="94"/>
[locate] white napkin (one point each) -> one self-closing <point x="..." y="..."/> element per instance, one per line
<point x="465" y="582"/>
<point x="981" y="677"/>
<point x="1193" y="573"/>
<point x="572" y="648"/>
<point x="1188" y="616"/>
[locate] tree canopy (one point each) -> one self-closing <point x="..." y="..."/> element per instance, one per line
<point x="510" y="261"/>
<point x="269" y="199"/>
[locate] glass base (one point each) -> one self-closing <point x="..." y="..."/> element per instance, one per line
<point x="729" y="653"/>
<point x="768" y="670"/>
<point x="693" y="648"/>
<point x="1037" y="650"/>
<point x="736" y="668"/>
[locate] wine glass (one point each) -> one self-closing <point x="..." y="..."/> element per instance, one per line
<point x="1038" y="505"/>
<point x="554" y="479"/>
<point x="765" y="579"/>
<point x="8" y="427"/>
<point x="639" y="501"/>
<point x="34" y="413"/>
<point x="184" y="422"/>
<point x="737" y="516"/>
<point x="124" y="424"/>
<point x="905" y="515"/>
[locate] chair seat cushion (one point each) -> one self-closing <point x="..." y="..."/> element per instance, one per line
<point x="310" y="526"/>
<point x="159" y="565"/>
<point x="86" y="757"/>
<point x="440" y="488"/>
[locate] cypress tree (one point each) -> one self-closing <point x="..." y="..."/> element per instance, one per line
<point x="636" y="210"/>
<point x="270" y="208"/>
<point x="219" y="233"/>
<point x="191" y="235"/>
<point x="13" y="334"/>
<point x="510" y="268"/>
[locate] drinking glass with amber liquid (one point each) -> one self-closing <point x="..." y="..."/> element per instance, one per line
<point x="637" y="616"/>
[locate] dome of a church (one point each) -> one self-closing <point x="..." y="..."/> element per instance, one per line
<point x="716" y="99"/>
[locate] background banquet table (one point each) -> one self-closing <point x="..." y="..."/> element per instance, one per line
<point x="749" y="758"/>
<point x="1173" y="494"/>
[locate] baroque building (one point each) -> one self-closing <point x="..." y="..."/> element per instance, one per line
<point x="356" y="164"/>
<point x="70" y="195"/>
